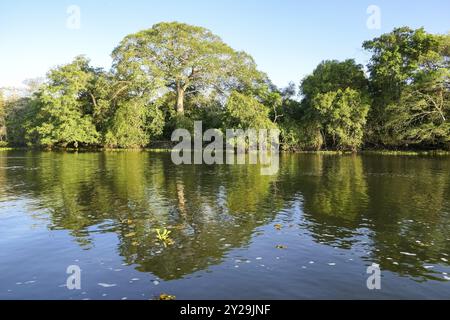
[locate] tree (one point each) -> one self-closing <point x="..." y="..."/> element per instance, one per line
<point x="62" y="117"/>
<point x="20" y="119"/>
<point x="343" y="116"/>
<point x="296" y="132"/>
<point x="183" y="59"/>
<point x="421" y="116"/>
<point x="332" y="75"/>
<point x="335" y="100"/>
<point x="133" y="124"/>
<point x="397" y="59"/>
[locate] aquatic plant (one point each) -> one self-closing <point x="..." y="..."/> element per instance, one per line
<point x="163" y="236"/>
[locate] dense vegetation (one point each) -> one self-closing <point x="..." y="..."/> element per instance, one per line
<point x="170" y="75"/>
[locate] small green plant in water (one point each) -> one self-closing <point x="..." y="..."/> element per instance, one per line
<point x="163" y="236"/>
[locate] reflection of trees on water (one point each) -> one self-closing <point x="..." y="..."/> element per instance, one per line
<point x="409" y="208"/>
<point x="3" y="180"/>
<point x="397" y="204"/>
<point x="334" y="192"/>
<point x="401" y="204"/>
<point x="208" y="215"/>
<point x="209" y="210"/>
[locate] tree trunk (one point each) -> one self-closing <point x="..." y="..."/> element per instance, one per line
<point x="180" y="101"/>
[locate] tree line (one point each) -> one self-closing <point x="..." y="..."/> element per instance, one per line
<point x="173" y="74"/>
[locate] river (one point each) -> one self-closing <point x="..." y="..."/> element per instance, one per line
<point x="309" y="231"/>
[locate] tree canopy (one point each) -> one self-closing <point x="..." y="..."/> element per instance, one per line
<point x="335" y="97"/>
<point x="62" y="116"/>
<point x="184" y="59"/>
<point x="408" y="73"/>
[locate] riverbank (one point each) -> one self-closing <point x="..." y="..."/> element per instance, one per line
<point x="322" y="152"/>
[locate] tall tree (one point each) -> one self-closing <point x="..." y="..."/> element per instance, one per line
<point x="421" y="116"/>
<point x="332" y="75"/>
<point x="335" y="99"/>
<point x="397" y="59"/>
<point x="62" y="117"/>
<point x="183" y="59"/>
<point x="343" y="116"/>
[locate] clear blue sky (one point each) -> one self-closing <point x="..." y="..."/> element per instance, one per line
<point x="287" y="38"/>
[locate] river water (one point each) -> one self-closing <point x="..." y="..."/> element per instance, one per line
<point x="309" y="231"/>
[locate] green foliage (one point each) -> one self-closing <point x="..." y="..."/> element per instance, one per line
<point x="396" y="57"/>
<point x="183" y="59"/>
<point x="128" y="127"/>
<point x="173" y="74"/>
<point x="2" y="119"/>
<point x="244" y="112"/>
<point x="211" y="116"/>
<point x="421" y="117"/>
<point x="332" y="75"/>
<point x="300" y="136"/>
<point x="403" y="62"/>
<point x="343" y="116"/>
<point x="62" y="118"/>
<point x="335" y="98"/>
<point x="17" y="112"/>
<point x="179" y="121"/>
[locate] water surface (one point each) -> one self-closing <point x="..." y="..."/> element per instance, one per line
<point x="310" y="231"/>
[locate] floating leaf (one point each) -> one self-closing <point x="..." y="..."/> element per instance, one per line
<point x="280" y="246"/>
